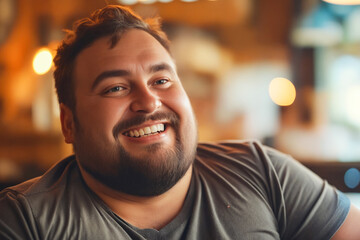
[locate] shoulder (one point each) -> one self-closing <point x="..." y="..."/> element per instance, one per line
<point x="302" y="202"/>
<point x="42" y="187"/>
<point x="234" y="148"/>
<point x="49" y="180"/>
<point x="249" y="152"/>
<point x="252" y="147"/>
<point x="236" y="162"/>
<point x="253" y="157"/>
<point x="25" y="206"/>
<point x="54" y="178"/>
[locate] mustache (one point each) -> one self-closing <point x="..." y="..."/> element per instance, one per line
<point x="172" y="117"/>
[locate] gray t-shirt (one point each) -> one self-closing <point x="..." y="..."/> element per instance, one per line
<point x="239" y="190"/>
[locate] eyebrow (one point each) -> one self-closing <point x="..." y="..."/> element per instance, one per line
<point x="161" y="67"/>
<point x="121" y="72"/>
<point x="109" y="74"/>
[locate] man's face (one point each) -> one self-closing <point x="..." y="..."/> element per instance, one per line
<point x="135" y="130"/>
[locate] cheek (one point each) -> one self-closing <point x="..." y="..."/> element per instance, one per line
<point x="188" y="126"/>
<point x="180" y="104"/>
<point x="185" y="107"/>
<point x="100" y="116"/>
<point x="179" y="101"/>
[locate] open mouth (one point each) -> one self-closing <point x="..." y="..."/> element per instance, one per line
<point x="146" y="131"/>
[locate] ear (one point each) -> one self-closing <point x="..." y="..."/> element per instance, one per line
<point x="67" y="123"/>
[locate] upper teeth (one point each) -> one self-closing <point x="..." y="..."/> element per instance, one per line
<point x="146" y="130"/>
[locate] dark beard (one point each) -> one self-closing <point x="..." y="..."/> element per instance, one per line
<point x="120" y="171"/>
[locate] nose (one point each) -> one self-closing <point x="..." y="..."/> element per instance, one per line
<point x="145" y="101"/>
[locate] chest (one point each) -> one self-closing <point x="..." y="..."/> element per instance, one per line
<point x="232" y="215"/>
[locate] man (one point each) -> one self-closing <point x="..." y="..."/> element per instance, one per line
<point x="138" y="172"/>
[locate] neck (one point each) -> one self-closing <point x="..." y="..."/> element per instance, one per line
<point x="143" y="212"/>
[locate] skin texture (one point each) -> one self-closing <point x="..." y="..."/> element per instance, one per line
<point x="131" y="86"/>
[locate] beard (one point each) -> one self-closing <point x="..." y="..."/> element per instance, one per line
<point x="149" y="175"/>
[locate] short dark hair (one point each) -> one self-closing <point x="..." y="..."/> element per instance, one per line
<point x="112" y="20"/>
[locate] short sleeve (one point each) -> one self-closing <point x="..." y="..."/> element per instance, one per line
<point x="16" y="221"/>
<point x="313" y="208"/>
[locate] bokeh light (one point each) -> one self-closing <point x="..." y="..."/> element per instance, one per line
<point x="343" y="2"/>
<point x="282" y="91"/>
<point x="352" y="105"/>
<point x="352" y="178"/>
<point x="147" y="1"/>
<point x="128" y="2"/>
<point x="42" y="61"/>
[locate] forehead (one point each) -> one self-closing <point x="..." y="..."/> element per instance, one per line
<point x="135" y="49"/>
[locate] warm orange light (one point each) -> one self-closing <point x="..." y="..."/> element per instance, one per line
<point x="282" y="91"/>
<point x="42" y="61"/>
<point x="343" y="2"/>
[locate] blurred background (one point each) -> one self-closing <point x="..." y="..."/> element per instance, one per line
<point x="285" y="72"/>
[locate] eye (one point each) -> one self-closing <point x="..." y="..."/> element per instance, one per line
<point x="114" y="90"/>
<point x="161" y="81"/>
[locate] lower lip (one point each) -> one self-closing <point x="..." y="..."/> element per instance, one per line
<point x="147" y="139"/>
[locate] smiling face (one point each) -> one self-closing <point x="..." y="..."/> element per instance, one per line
<point x="134" y="129"/>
